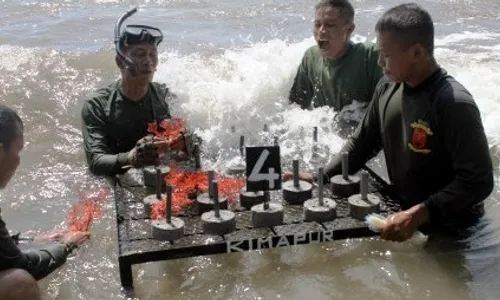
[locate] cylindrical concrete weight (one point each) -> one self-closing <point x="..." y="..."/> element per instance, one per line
<point x="272" y="216"/>
<point x="313" y="211"/>
<point x="344" y="188"/>
<point x="211" y="224"/>
<point x="149" y="201"/>
<point x="163" y="231"/>
<point x="149" y="174"/>
<point x="205" y="203"/>
<point x="249" y="199"/>
<point x="297" y="195"/>
<point x="359" y="208"/>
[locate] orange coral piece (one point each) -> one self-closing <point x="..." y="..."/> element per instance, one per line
<point x="185" y="183"/>
<point x="83" y="213"/>
<point x="230" y="187"/>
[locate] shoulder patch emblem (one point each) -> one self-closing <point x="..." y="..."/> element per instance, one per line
<point x="418" y="143"/>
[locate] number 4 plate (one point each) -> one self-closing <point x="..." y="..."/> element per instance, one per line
<point x="263" y="168"/>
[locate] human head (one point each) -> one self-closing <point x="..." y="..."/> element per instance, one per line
<point x="136" y="48"/>
<point x="405" y="38"/>
<point x="11" y="143"/>
<point x="333" y="26"/>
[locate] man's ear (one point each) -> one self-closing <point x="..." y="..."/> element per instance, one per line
<point x="119" y="62"/>
<point x="350" y="29"/>
<point x="418" y="52"/>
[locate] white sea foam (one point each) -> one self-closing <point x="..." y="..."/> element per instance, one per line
<point x="248" y="87"/>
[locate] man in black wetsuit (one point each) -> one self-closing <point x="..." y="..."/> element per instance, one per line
<point x="116" y="118"/>
<point x="430" y="129"/>
<point x="19" y="270"/>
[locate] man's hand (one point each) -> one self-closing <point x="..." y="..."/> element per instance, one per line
<point x="165" y="146"/>
<point x="70" y="239"/>
<point x="402" y="225"/>
<point x="54" y="236"/>
<point x="302" y="176"/>
<point x="178" y="145"/>
<point x="145" y="153"/>
<point x="75" y="238"/>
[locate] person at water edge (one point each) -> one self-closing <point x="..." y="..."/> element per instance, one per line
<point x="19" y="270"/>
<point x="336" y="71"/>
<point x="115" y="118"/>
<point x="430" y="129"/>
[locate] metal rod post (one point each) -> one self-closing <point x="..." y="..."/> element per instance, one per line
<point x="315" y="134"/>
<point x="168" y="209"/>
<point x="267" y="198"/>
<point x="197" y="156"/>
<point x="158" y="182"/>
<point x="215" y="189"/>
<point x="242" y="145"/>
<point x="210" y="181"/>
<point x="364" y="185"/>
<point x="345" y="165"/>
<point x="320" y="185"/>
<point x="295" y="173"/>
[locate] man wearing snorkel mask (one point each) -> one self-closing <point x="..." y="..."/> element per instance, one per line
<point x="116" y="118"/>
<point x="336" y="71"/>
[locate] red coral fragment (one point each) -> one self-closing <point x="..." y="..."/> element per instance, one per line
<point x="83" y="213"/>
<point x="168" y="130"/>
<point x="185" y="183"/>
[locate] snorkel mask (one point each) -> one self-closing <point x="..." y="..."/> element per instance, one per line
<point x="133" y="35"/>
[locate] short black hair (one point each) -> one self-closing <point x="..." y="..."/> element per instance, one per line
<point x="344" y="6"/>
<point x="410" y="24"/>
<point x="9" y="121"/>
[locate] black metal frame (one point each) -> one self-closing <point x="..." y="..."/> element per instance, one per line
<point x="136" y="245"/>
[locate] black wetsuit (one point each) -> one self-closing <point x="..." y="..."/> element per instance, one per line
<point x="435" y="147"/>
<point x="112" y="124"/>
<point x="38" y="262"/>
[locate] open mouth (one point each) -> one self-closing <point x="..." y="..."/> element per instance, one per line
<point x="323" y="44"/>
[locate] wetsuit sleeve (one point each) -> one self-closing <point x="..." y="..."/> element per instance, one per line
<point x="363" y="145"/>
<point x="302" y="89"/>
<point x="39" y="263"/>
<point x="100" y="159"/>
<point x="466" y="143"/>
